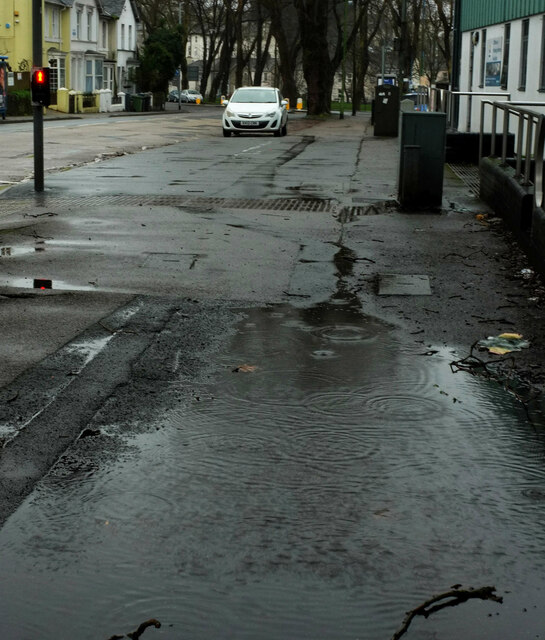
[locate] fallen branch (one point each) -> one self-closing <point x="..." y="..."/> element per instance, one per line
<point x="451" y="599"/>
<point x="152" y="622"/>
<point x="474" y="365"/>
<point x="134" y="635"/>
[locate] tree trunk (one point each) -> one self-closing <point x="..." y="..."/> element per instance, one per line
<point x="287" y="51"/>
<point x="221" y="79"/>
<point x="317" y="67"/>
<point x="239" y="38"/>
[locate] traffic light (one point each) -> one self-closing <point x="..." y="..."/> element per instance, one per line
<point x="40" y="87"/>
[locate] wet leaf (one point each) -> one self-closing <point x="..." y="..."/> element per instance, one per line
<point x="504" y="343"/>
<point x="500" y="351"/>
<point x="245" y="368"/>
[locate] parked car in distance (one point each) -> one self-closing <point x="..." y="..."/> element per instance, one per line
<point x="187" y="95"/>
<point x="255" y="110"/>
<point x="173" y="96"/>
<point x="190" y="95"/>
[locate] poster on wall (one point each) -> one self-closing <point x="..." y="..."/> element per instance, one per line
<point x="494" y="50"/>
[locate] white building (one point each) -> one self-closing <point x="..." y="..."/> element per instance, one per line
<point x="125" y="17"/>
<point x="502" y="55"/>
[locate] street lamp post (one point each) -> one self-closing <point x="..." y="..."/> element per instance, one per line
<point x="180" y="67"/>
<point x="343" y="71"/>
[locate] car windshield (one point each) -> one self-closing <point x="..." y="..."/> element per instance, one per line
<point x="254" y="95"/>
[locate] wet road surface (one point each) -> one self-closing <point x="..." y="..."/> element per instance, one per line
<point x="247" y="467"/>
<point x="319" y="479"/>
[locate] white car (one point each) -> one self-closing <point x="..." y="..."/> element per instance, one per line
<point x="255" y="110"/>
<point x="190" y="95"/>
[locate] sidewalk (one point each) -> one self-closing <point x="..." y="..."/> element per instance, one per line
<point x="481" y="283"/>
<point x="52" y="114"/>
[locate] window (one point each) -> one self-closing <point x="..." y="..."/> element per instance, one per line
<point x="89" y="25"/>
<point x="99" y="74"/>
<point x="79" y="13"/>
<point x="62" y="73"/>
<point x="57" y="70"/>
<point x="129" y="44"/>
<point x="108" y="77"/>
<point x="524" y="54"/>
<point x="88" y="76"/>
<point x="52" y="19"/>
<point x="104" y="34"/>
<point x="94" y="75"/>
<point x="55" y="22"/>
<point x="542" y="65"/>
<point x="505" y="64"/>
<point x="122" y="36"/>
<point x="483" y="57"/>
<point x="53" y="75"/>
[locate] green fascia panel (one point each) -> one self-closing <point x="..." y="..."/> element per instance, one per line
<point x="476" y="14"/>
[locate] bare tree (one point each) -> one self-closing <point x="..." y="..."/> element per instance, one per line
<point x="325" y="35"/>
<point x="284" y="29"/>
<point x="169" y="14"/>
<point x="209" y="23"/>
<point x="373" y="21"/>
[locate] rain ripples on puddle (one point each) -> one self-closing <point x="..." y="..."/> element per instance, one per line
<point x="329" y="478"/>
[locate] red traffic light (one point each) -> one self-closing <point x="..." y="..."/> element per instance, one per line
<point x="40" y="87"/>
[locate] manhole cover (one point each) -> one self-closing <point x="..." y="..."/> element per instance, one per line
<point x="395" y="284"/>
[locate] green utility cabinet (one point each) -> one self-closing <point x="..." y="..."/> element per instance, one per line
<point x="422" y="159"/>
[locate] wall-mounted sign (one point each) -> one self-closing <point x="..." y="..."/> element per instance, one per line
<point x="494" y="52"/>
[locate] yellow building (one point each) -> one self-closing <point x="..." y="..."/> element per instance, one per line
<point x="16" y="33"/>
<point x="90" y="47"/>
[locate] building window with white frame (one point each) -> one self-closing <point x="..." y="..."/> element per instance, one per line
<point x="524" y="54"/>
<point x="129" y="43"/>
<point x="104" y="27"/>
<point x="109" y="77"/>
<point x="52" y="23"/>
<point x="89" y="76"/>
<point x="99" y="75"/>
<point x="122" y="36"/>
<point x="90" y="24"/>
<point x="79" y="14"/>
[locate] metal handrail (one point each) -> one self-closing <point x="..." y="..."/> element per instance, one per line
<point x="447" y="99"/>
<point x="530" y="123"/>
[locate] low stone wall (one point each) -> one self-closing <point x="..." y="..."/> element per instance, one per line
<point x="464" y="147"/>
<point x="514" y="203"/>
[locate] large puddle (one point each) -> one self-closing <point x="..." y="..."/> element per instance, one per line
<point x="329" y="478"/>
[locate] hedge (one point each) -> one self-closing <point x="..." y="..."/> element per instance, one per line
<point x="19" y="103"/>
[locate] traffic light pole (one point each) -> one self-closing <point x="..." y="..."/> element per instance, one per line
<point x="38" y="109"/>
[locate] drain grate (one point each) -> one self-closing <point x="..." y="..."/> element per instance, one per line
<point x="469" y="174"/>
<point x="33" y="206"/>
<point x="350" y="214"/>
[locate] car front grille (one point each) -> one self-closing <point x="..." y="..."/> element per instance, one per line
<point x="256" y="124"/>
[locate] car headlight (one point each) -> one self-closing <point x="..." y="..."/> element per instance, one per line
<point x="229" y="113"/>
<point x="271" y="114"/>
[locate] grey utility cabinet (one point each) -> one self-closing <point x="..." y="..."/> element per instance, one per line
<point x="422" y="159"/>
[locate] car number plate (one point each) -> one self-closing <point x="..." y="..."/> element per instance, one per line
<point x="249" y="123"/>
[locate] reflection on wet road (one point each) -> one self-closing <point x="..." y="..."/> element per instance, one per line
<point x="328" y="478"/>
